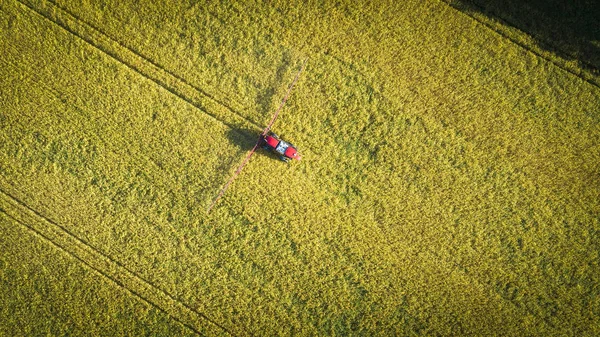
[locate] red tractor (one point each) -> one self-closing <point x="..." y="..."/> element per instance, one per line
<point x="285" y="150"/>
<point x="268" y="141"/>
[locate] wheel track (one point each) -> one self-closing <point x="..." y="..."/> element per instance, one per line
<point x="120" y="284"/>
<point x="173" y="83"/>
<point x="141" y="161"/>
<point x="62" y="238"/>
<point x="525" y="47"/>
<point x="55" y="93"/>
<point x="138" y="163"/>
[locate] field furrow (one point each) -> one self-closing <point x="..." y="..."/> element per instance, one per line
<point x="523" y="40"/>
<point x="147" y="68"/>
<point x="107" y="267"/>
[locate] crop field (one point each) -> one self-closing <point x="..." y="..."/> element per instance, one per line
<point x="449" y="186"/>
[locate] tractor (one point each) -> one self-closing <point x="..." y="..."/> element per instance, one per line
<point x="285" y="150"/>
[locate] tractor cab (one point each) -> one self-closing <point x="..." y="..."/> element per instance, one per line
<point x="285" y="150"/>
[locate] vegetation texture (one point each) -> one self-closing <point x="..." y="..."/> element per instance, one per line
<point x="449" y="184"/>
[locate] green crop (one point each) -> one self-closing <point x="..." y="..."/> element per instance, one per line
<point x="449" y="183"/>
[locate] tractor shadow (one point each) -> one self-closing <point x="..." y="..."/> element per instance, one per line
<point x="245" y="139"/>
